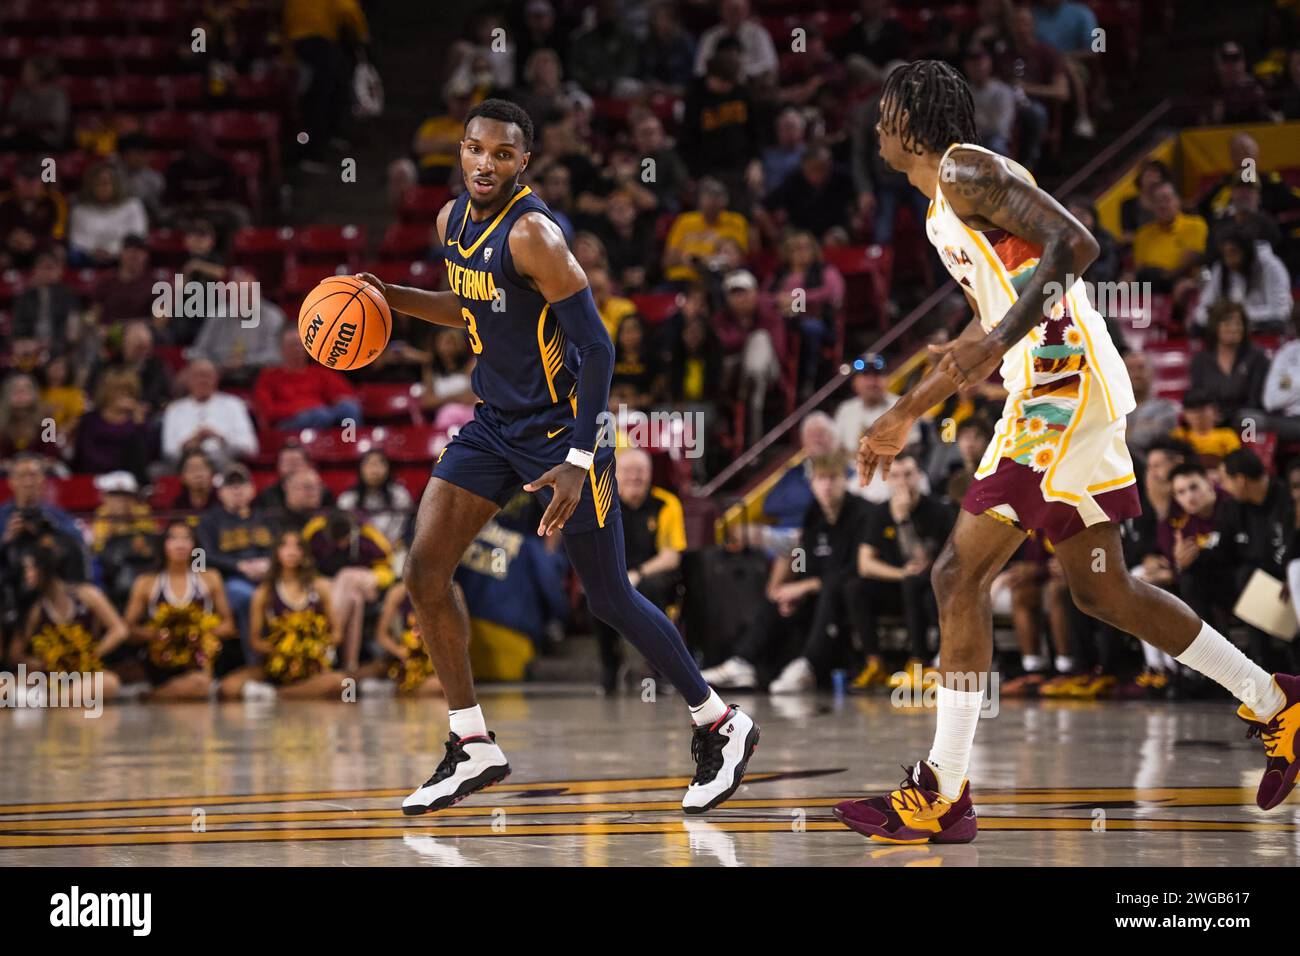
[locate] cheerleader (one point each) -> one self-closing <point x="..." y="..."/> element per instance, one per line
<point x="180" y="616"/>
<point x="292" y="627"/>
<point x="70" y="628"/>
<point x="406" y="662"/>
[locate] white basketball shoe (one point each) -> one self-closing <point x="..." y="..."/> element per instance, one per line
<point x="471" y="763"/>
<point x="721" y="751"/>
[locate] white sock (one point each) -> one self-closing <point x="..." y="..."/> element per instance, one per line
<point x="1032" y="663"/>
<point x="959" y="714"/>
<point x="1219" y="659"/>
<point x="709" y="712"/>
<point x="468" y="722"/>
<point x="1064" y="663"/>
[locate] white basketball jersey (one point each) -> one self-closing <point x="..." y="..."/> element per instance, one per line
<point x="1066" y="360"/>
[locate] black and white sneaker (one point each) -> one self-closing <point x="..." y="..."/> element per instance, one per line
<point x="721" y="751"/>
<point x="471" y="764"/>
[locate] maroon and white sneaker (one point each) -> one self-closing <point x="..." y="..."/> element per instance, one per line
<point x="1279" y="737"/>
<point x="914" y="813"/>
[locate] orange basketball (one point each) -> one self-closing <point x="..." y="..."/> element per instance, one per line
<point x="344" y="323"/>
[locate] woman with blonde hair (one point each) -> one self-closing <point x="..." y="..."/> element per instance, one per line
<point x="104" y="215"/>
<point x="115" y="436"/>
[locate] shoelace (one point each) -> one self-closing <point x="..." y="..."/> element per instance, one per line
<point x="706" y="750"/>
<point x="1271" y="738"/>
<point x="447" y="766"/>
<point x="909" y="795"/>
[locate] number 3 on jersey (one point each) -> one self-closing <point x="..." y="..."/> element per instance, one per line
<point x="471" y="325"/>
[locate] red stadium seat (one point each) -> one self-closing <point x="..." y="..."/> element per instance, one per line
<point x="76" y="493"/>
<point x="265" y="91"/>
<point x="413" y="272"/>
<point x="866" y="271"/>
<point x="413" y="478"/>
<point x="329" y="243"/>
<point x="88" y="93"/>
<point x="245" y="130"/>
<point x="247" y="166"/>
<point x="422" y="203"/>
<point x="390" y="402"/>
<point x="142" y="93"/>
<point x="404" y="240"/>
<point x="85" y="55"/>
<point x="169" y="130"/>
<point x="269" y="443"/>
<point x="155" y="17"/>
<point x="143" y="54"/>
<point x="327" y="447"/>
<point x="413" y="444"/>
<point x="165" y="490"/>
<point x="338" y="480"/>
<point x="263" y="250"/>
<point x="655" y="306"/>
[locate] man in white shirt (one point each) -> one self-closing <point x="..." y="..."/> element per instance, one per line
<point x="757" y="54"/>
<point x="1282" y="388"/>
<point x="871" y="400"/>
<point x="213" y="421"/>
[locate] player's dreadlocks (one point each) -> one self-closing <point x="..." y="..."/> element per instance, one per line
<point x="938" y="104"/>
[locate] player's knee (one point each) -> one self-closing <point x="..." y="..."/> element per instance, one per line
<point x="949" y="577"/>
<point x="1102" y="597"/>
<point x="425" y="576"/>
<point x="610" y="604"/>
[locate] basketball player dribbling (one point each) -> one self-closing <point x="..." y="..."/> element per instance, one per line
<point x="1058" y="463"/>
<point x="542" y="374"/>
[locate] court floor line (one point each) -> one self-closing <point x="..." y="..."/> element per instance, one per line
<point x="1060" y="824"/>
<point x="1229" y="797"/>
<point x="560" y="787"/>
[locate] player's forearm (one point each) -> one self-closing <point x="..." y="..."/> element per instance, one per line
<point x="929" y="392"/>
<point x="440" y="308"/>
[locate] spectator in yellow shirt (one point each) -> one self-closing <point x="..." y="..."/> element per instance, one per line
<point x="1201" y="431"/>
<point x="696" y="236"/>
<point x="612" y="308"/>
<point x="1167" y="250"/>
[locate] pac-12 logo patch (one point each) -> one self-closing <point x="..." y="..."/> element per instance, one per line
<point x="487" y="254"/>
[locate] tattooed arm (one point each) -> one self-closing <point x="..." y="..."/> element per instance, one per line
<point x="985" y="194"/>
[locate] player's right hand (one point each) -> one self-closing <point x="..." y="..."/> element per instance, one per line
<point x="882" y="441"/>
<point x="374" y="281"/>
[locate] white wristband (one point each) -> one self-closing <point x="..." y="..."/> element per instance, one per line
<point x="582" y="459"/>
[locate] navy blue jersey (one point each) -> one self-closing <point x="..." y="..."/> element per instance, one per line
<point x="524" y="361"/>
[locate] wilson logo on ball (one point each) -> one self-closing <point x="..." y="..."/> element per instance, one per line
<point x="342" y="344"/>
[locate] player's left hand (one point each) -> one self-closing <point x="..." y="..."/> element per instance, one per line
<point x="566" y="480"/>
<point x="968" y="362"/>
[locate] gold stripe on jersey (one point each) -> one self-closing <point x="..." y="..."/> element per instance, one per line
<point x="602" y="491"/>
<point x="467" y="252"/>
<point x="552" y="352"/>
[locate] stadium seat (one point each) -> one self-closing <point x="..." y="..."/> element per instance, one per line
<point x="88" y="93"/>
<point x="413" y="479"/>
<point x="329" y="244"/>
<point x="164" y="492"/>
<point x="263" y="250"/>
<point x="655" y="306"/>
<point x="413" y="272"/>
<point x="76" y="493"/>
<point x="85" y="55"/>
<point x="141" y="93"/>
<point x="422" y="203"/>
<point x="264" y="91"/>
<point x="338" y="480"/>
<point x="413" y="444"/>
<point x="250" y="130"/>
<point x="390" y="402"/>
<point x="404" y="240"/>
<point x="169" y="130"/>
<point x="866" y="271"/>
<point x="146" y="54"/>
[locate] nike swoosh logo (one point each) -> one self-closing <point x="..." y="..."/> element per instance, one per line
<point x="551" y="434"/>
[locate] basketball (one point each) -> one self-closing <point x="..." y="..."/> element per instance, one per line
<point x="344" y="323"/>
